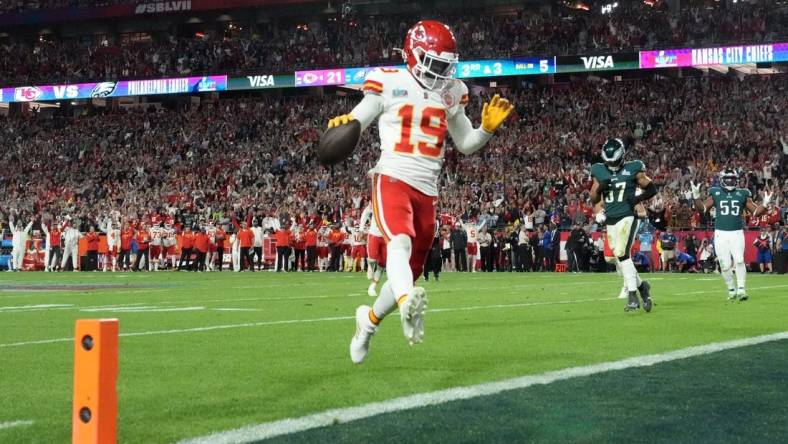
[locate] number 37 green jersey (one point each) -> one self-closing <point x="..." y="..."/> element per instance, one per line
<point x="729" y="206"/>
<point x="621" y="188"/>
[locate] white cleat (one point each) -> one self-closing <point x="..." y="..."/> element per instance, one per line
<point x="741" y="294"/>
<point x="365" y="329"/>
<point x="412" y="315"/>
<point x="371" y="290"/>
<point x="624" y="293"/>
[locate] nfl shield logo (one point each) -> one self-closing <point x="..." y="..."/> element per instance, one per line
<point x="448" y="99"/>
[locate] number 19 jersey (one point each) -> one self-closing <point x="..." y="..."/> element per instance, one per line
<point x="413" y="126"/>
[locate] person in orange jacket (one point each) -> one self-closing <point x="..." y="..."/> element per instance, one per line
<point x="246" y="239"/>
<point x="143" y="242"/>
<point x="201" y="242"/>
<point x="92" y="239"/>
<point x="283" y="239"/>
<point x="187" y="243"/>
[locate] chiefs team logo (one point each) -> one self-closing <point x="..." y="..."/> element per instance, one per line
<point x="419" y="34"/>
<point x="27" y="93"/>
<point x="448" y="99"/>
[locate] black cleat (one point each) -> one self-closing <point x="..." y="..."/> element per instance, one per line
<point x="645" y="294"/>
<point x="633" y="303"/>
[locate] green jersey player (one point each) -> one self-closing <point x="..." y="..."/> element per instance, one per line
<point x="614" y="187"/>
<point x="729" y="203"/>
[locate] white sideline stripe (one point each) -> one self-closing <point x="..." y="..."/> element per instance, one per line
<point x="337" y="416"/>
<point x="11" y="424"/>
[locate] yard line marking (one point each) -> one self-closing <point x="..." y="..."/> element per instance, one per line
<point x="39" y="306"/>
<point x="11" y="424"/>
<point x="289" y="321"/>
<point x="235" y="309"/>
<point x="254" y="433"/>
<point x="151" y="309"/>
<point x="334" y="318"/>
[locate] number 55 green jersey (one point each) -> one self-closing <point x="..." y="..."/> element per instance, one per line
<point x="621" y="187"/>
<point x="729" y="206"/>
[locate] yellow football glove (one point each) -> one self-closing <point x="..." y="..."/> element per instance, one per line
<point x="340" y="120"/>
<point x="495" y="112"/>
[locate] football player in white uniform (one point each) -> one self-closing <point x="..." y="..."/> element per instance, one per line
<point x="415" y="107"/>
<point x="376" y="251"/>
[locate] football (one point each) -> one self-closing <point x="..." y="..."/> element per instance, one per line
<point x="338" y="143"/>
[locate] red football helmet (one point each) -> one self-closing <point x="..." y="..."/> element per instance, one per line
<point x="431" y="53"/>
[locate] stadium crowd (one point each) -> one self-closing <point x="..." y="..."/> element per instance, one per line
<point x="284" y="46"/>
<point x="253" y="160"/>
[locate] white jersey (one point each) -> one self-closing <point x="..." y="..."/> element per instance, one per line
<point x="366" y="217"/>
<point x="359" y="237"/>
<point x="156" y="235"/>
<point x="413" y="125"/>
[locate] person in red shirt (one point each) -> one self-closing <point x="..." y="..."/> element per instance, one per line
<point x="283" y="239"/>
<point x="310" y="242"/>
<point x="299" y="246"/>
<point x="187" y="243"/>
<point x="219" y="237"/>
<point x="126" y="236"/>
<point x="143" y="243"/>
<point x="92" y="239"/>
<point x="246" y="239"/>
<point x="201" y="244"/>
<point x="55" y="252"/>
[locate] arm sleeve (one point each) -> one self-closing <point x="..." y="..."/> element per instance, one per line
<point x="467" y="139"/>
<point x="28" y="227"/>
<point x="44" y="229"/>
<point x="366" y="216"/>
<point x="368" y="109"/>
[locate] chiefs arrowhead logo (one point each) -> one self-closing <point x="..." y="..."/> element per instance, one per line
<point x="419" y="34"/>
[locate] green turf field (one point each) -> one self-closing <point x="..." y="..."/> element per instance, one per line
<point x="209" y="352"/>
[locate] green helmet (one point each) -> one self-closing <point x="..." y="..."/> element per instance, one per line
<point x="613" y="153"/>
<point x="729" y="179"/>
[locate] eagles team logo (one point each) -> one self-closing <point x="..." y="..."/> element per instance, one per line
<point x="448" y="99"/>
<point x="103" y="89"/>
<point x="27" y="93"/>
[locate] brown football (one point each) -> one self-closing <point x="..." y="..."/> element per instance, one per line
<point x="338" y="143"/>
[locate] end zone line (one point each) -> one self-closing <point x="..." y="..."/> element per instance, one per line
<point x="337" y="416"/>
<point x="12" y="424"/>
